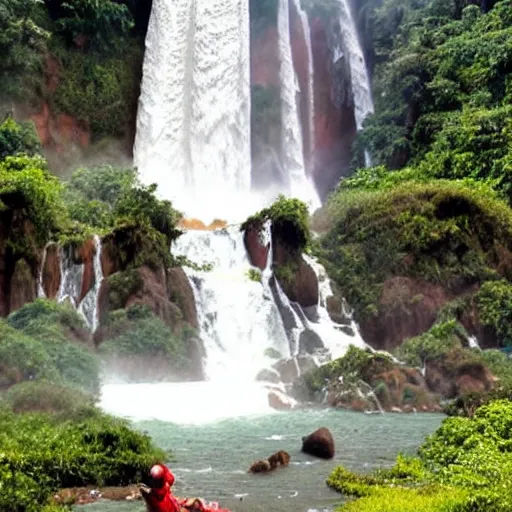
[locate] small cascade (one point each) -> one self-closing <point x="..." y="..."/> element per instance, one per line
<point x="335" y="337"/>
<point x="292" y="144"/>
<point x="238" y="318"/>
<point x="88" y="308"/>
<point x="40" y="283"/>
<point x="71" y="277"/>
<point x="360" y="80"/>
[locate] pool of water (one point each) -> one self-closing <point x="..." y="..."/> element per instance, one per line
<point x="211" y="460"/>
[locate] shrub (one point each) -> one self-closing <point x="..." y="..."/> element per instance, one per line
<point x="18" y="138"/>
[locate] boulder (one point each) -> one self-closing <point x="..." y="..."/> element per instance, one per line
<point x="309" y="341"/>
<point x="269" y="375"/>
<point x="319" y="444"/>
<point x="280" y="401"/>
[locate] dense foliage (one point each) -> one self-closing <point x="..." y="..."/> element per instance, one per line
<point x="136" y="334"/>
<point x="97" y="450"/>
<point x="41" y="341"/>
<point x="464" y="467"/>
<point x="446" y="232"/>
<point x="290" y="222"/>
<point x="441" y="88"/>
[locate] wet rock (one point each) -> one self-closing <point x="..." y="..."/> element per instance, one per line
<point x="269" y="375"/>
<point x="23" y="286"/>
<point x="280" y="401"/>
<point x="51" y="272"/>
<point x="319" y="444"/>
<point x="288" y="369"/>
<point x="85" y="255"/>
<point x="309" y="341"/>
<point x="180" y="293"/>
<point x="257" y="252"/>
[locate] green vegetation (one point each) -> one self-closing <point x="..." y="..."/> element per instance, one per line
<point x="463" y="467"/>
<point x="42" y="453"/>
<point x="18" y="138"/>
<point x="441" y="88"/>
<point x="137" y="333"/>
<point x="450" y="233"/>
<point x="41" y="341"/>
<point x="254" y="275"/>
<point x="290" y="222"/>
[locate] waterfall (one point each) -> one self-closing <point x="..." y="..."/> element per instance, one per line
<point x="238" y="318"/>
<point x="333" y="335"/>
<point x="193" y="123"/>
<point x="360" y="80"/>
<point x="40" y="280"/>
<point x="291" y="132"/>
<point x="88" y="308"/>
<point x="71" y="275"/>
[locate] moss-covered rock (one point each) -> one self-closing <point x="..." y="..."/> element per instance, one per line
<point x="439" y="239"/>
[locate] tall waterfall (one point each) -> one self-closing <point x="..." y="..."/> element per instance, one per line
<point x="361" y="86"/>
<point x="291" y="131"/>
<point x="193" y="125"/>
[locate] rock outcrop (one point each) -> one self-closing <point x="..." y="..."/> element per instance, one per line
<point x="319" y="444"/>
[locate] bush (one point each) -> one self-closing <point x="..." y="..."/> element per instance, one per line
<point x="448" y="233"/>
<point x="44" y="330"/>
<point x="18" y="138"/>
<point x="102" y="21"/>
<point x="40" y="454"/>
<point x="464" y="466"/>
<point x="27" y="185"/>
<point x="290" y="222"/>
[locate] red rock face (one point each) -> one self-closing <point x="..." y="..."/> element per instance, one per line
<point x="86" y="254"/>
<point x="23" y="286"/>
<point x="407" y="308"/>
<point x="258" y="253"/>
<point x="301" y="64"/>
<point x="335" y="127"/>
<point x="265" y="63"/>
<point x="51" y="272"/>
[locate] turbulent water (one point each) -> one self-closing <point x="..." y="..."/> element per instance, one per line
<point x="237" y="316"/>
<point x="193" y="125"/>
<point x="212" y="458"/>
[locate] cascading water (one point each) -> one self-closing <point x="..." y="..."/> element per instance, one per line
<point x="193" y="124"/>
<point x="291" y="132"/>
<point x="71" y="275"/>
<point x="360" y="80"/>
<point x="88" y="308"/>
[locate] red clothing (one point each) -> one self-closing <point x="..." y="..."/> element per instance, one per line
<point x="161" y="499"/>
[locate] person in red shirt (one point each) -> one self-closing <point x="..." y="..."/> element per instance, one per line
<point x="159" y="498"/>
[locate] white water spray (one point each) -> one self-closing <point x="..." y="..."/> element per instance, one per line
<point x="193" y="125"/>
<point x="237" y="316"/>
<point x="88" y="308"/>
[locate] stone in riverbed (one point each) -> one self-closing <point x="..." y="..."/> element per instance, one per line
<point x="319" y="444"/>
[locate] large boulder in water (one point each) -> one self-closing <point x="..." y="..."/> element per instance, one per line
<point x="319" y="444"/>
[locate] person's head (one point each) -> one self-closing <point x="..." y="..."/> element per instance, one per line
<point x="159" y="475"/>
